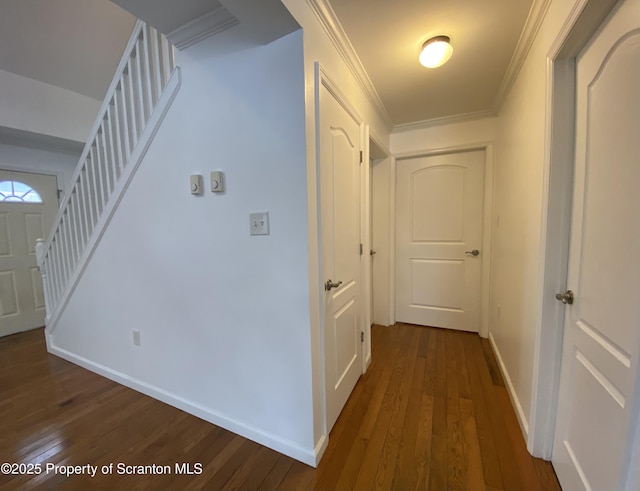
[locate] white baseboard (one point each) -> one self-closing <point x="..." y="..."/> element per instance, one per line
<point x="308" y="456"/>
<point x="522" y="420"/>
<point x="320" y="448"/>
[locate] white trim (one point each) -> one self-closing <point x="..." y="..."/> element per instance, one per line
<point x="455" y="118"/>
<point x="336" y="92"/>
<point x="487" y="231"/>
<point x="392" y="240"/>
<point x="152" y="126"/>
<point x="529" y="32"/>
<point x="317" y="76"/>
<point x="207" y="25"/>
<point x="522" y="419"/>
<point x="287" y="447"/>
<point x="487" y="239"/>
<point x="583" y="20"/>
<point x="320" y="448"/>
<point x="329" y="21"/>
<point x="365" y="240"/>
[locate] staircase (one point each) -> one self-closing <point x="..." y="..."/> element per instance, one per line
<point x="145" y="83"/>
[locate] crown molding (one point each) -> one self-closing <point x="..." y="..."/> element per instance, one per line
<point x="329" y="21"/>
<point x="430" y="123"/>
<point x="207" y="25"/>
<point x="531" y="27"/>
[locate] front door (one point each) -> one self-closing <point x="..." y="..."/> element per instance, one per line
<point x="439" y="210"/>
<point x="599" y="377"/>
<point x="340" y="215"/>
<point x="28" y="206"/>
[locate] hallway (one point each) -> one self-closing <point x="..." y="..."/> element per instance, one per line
<point x="432" y="412"/>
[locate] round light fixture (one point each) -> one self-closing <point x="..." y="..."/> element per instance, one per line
<point x="436" y="52"/>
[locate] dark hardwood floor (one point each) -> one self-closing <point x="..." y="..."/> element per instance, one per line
<point x="432" y="412"/>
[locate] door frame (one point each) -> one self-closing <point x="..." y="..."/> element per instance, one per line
<point x="381" y="158"/>
<point x="322" y="78"/>
<point x="31" y="170"/>
<point x="584" y="20"/>
<point x="487" y="229"/>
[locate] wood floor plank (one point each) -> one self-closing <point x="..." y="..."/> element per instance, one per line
<point x="489" y="451"/>
<point x="455" y="442"/>
<point x="474" y="476"/>
<point x="341" y="468"/>
<point x="508" y="465"/>
<point x="491" y="363"/>
<point x="276" y="475"/>
<point x="424" y="450"/>
<point x="526" y="467"/>
<point x="425" y="422"/>
<point x="381" y="441"/>
<point x="430" y="413"/>
<point x="389" y="455"/>
<point x="462" y="371"/>
<point x="404" y="476"/>
<point x="438" y="464"/>
<point x="546" y="475"/>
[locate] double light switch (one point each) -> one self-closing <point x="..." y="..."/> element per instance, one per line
<point x="217" y="183"/>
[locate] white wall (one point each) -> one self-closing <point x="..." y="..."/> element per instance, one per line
<point x="319" y="47"/>
<point x="40" y="161"/>
<point x="223" y="317"/>
<point x="519" y="185"/>
<point x="30" y="105"/>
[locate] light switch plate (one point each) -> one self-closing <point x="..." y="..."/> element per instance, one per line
<point x="195" y="181"/>
<point x="217" y="181"/>
<point x="259" y="223"/>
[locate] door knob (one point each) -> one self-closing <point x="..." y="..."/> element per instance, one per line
<point x="474" y="252"/>
<point x="565" y="298"/>
<point x="330" y="284"/>
<point x="372" y="252"/>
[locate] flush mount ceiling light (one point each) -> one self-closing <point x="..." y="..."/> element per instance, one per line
<point x="436" y="52"/>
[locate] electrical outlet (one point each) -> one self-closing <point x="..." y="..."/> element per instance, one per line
<point x="136" y="337"/>
<point x="259" y="223"/>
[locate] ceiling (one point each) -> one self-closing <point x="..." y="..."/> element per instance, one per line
<point x="387" y="36"/>
<point x="73" y="44"/>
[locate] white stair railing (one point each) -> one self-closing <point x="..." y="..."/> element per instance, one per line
<point x="132" y="101"/>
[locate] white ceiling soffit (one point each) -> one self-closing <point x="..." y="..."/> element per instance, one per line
<point x="22" y="138"/>
<point x="73" y="44"/>
<point x="184" y="23"/>
<point x="262" y="21"/>
<point x="490" y="43"/>
<point x="189" y="21"/>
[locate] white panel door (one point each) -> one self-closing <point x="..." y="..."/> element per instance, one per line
<point x="340" y="215"/>
<point x="599" y="377"/>
<point x="21" y="224"/>
<point x="439" y="210"/>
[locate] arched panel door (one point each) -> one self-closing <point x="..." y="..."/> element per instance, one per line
<point x="599" y="383"/>
<point x="28" y="206"/>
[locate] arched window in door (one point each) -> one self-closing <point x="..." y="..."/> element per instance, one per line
<point x="18" y="192"/>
